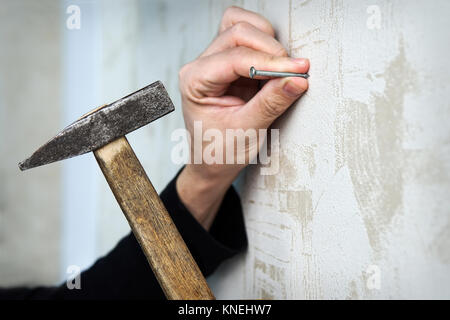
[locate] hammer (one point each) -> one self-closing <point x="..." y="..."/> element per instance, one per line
<point x="103" y="131"/>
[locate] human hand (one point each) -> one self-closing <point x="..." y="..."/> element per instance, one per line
<point x="216" y="90"/>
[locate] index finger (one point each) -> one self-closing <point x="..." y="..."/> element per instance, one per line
<point x="227" y="66"/>
<point x="234" y="15"/>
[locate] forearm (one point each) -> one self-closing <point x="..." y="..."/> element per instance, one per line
<point x="124" y="272"/>
<point x="202" y="193"/>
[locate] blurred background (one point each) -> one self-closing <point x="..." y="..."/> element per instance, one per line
<point x="53" y="70"/>
<point x="360" y="207"/>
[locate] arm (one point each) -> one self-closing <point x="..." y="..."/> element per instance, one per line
<point x="124" y="272"/>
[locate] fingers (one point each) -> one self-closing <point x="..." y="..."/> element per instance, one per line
<point x="246" y="34"/>
<point x="234" y="15"/>
<point x="274" y="99"/>
<point x="214" y="71"/>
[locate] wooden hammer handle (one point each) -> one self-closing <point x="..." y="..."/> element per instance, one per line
<point x="168" y="255"/>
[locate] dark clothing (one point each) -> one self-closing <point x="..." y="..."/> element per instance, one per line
<point x="124" y="273"/>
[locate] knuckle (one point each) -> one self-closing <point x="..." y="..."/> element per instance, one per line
<point x="227" y="18"/>
<point x="189" y="84"/>
<point x="240" y="27"/>
<point x="281" y="52"/>
<point x="271" y="58"/>
<point x="239" y="52"/>
<point x="228" y="14"/>
<point x="230" y="11"/>
<point x="185" y="77"/>
<point x="183" y="71"/>
<point x="194" y="88"/>
<point x="268" y="28"/>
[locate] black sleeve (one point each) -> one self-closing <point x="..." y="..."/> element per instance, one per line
<point x="124" y="272"/>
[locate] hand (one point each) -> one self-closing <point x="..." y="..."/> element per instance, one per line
<point x="216" y="90"/>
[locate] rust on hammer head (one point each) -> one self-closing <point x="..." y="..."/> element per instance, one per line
<point x="104" y="125"/>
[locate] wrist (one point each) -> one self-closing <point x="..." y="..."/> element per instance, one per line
<point x="202" y="191"/>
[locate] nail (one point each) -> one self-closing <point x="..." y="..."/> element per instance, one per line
<point x="300" y="61"/>
<point x="253" y="72"/>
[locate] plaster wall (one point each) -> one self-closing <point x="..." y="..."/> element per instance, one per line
<point x="360" y="206"/>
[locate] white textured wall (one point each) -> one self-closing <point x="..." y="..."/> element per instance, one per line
<point x="365" y="160"/>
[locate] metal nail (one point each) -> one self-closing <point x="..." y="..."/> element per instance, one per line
<point x="253" y="72"/>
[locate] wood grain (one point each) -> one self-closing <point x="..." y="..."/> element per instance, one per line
<point x="166" y="252"/>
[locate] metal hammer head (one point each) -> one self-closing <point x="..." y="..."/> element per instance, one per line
<point x="104" y="125"/>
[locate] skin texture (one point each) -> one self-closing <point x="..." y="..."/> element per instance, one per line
<point x="216" y="89"/>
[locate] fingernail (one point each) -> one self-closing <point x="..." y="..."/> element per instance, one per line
<point x="301" y="61"/>
<point x="292" y="89"/>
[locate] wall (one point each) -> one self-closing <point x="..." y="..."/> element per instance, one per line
<point x="30" y="202"/>
<point x="362" y="191"/>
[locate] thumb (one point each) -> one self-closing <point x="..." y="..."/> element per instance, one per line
<point x="274" y="99"/>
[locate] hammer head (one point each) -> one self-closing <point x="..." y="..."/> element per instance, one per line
<point x="104" y="125"/>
